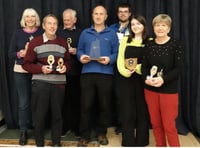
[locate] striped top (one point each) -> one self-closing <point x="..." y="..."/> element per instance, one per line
<point x="38" y="51"/>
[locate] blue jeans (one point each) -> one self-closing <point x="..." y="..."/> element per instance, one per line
<point x="23" y="86"/>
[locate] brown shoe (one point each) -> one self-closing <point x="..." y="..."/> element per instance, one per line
<point x="103" y="140"/>
<point x="82" y="143"/>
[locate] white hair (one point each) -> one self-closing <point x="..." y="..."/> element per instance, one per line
<point x="72" y="11"/>
<point x="30" y="11"/>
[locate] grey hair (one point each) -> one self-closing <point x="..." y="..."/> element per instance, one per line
<point x="72" y="11"/>
<point x="162" y="18"/>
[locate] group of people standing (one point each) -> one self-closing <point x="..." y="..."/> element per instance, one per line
<point x="75" y="73"/>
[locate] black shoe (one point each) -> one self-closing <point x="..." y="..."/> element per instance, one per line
<point x="40" y="145"/>
<point x="118" y="130"/>
<point x="82" y="143"/>
<point x="23" y="138"/>
<point x="77" y="135"/>
<point x="63" y="134"/>
<point x="103" y="140"/>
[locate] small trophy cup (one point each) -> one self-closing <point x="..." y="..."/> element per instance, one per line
<point x="50" y="61"/>
<point x="30" y="38"/>
<point x="153" y="71"/>
<point x="26" y="46"/>
<point x="131" y="63"/>
<point x="60" y="64"/>
<point x="160" y="73"/>
<point x="69" y="41"/>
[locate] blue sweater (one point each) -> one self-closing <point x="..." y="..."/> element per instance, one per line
<point x="108" y="45"/>
<point x="18" y="42"/>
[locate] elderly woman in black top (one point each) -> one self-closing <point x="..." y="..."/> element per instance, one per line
<point x="161" y="67"/>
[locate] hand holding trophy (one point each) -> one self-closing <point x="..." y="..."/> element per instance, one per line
<point x="70" y="48"/>
<point x="23" y="51"/>
<point x="153" y="71"/>
<point x="69" y="41"/>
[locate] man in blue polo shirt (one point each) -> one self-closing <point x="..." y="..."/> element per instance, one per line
<point x="97" y="51"/>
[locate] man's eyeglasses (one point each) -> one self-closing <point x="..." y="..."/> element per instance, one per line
<point x="123" y="11"/>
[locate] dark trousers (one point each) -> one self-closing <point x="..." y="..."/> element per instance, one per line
<point x="95" y="89"/>
<point x="71" y="106"/>
<point x="45" y="95"/>
<point x="23" y="86"/>
<point x="135" y="118"/>
<point x="115" y="104"/>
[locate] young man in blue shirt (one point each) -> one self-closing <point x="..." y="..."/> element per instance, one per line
<point x="122" y="29"/>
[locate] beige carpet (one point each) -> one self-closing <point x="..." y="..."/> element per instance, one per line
<point x="9" y="138"/>
<point x="31" y="142"/>
<point x="186" y="141"/>
<point x="69" y="141"/>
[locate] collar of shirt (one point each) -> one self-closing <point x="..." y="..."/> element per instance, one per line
<point x="105" y="29"/>
<point x="73" y="28"/>
<point x="123" y="29"/>
<point x="45" y="38"/>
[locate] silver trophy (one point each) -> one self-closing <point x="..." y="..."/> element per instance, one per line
<point x="95" y="50"/>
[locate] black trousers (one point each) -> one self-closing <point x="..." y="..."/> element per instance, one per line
<point x="45" y="95"/>
<point x="134" y="113"/>
<point x="96" y="89"/>
<point x="115" y="104"/>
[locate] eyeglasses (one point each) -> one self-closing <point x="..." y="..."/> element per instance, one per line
<point x="123" y="11"/>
